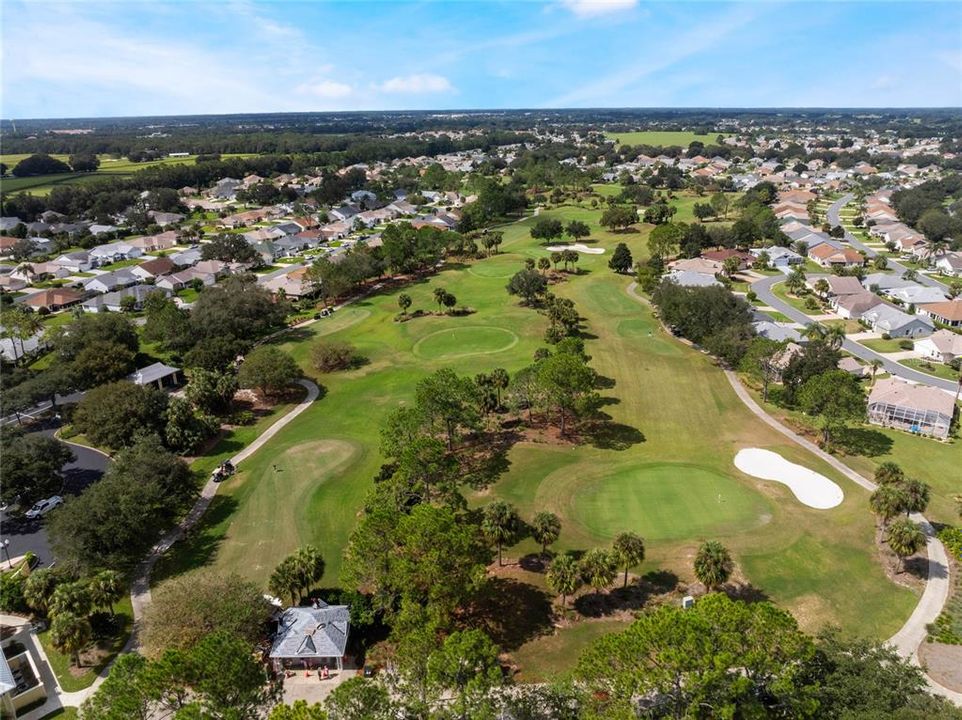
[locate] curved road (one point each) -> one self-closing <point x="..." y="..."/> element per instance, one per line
<point x="835" y="219"/>
<point x="763" y="288"/>
<point x="936" y="593"/>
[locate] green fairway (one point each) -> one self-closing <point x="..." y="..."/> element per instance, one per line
<point x="662" y="466"/>
<point x="662" y="138"/>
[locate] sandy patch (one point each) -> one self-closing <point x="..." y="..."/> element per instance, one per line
<point x="809" y="487"/>
<point x="577" y="247"/>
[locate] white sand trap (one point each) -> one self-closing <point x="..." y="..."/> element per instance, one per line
<point x="577" y="247"/>
<point x="809" y="487"/>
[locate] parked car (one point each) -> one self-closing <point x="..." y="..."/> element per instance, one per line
<point x="43" y="507"/>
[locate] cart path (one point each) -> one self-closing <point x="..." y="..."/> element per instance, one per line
<point x="937" y="587"/>
<point x="140" y="588"/>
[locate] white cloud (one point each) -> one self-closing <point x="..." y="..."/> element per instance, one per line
<point x="593" y="8"/>
<point x="419" y="83"/>
<point x="883" y="82"/>
<point x="327" y="89"/>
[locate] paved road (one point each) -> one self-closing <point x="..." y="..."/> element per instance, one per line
<point x="763" y="288"/>
<point x="907" y="640"/>
<point x="899" y="268"/>
<point x="31" y="536"/>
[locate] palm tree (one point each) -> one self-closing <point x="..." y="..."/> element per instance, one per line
<point x="835" y="336"/>
<point x="73" y="598"/>
<point x="888" y="501"/>
<point x="874" y="365"/>
<point x="555" y="259"/>
<point x="629" y="548"/>
<point x="822" y="287"/>
<point x="308" y="566"/>
<point x="499" y="381"/>
<point x="713" y="564"/>
<point x="814" y="331"/>
<point x="598" y="566"/>
<point x="500" y="522"/>
<point x="905" y="538"/>
<point x="38" y="589"/>
<point x="888" y="472"/>
<point x="917" y="495"/>
<point x="795" y="281"/>
<point x="564" y="577"/>
<point x="404" y="302"/>
<point x="285" y="581"/>
<point x="106" y="588"/>
<point x="543" y="264"/>
<point x="545" y="529"/>
<point x="439" y="295"/>
<point x="70" y="634"/>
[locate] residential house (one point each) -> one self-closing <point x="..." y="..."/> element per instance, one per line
<point x="186" y="258"/>
<point x="852" y="366"/>
<point x="184" y="278"/>
<point x="97" y="229"/>
<point x="53" y="299"/>
<point x="779" y="257"/>
<point x="828" y="256"/>
<point x="943" y="346"/>
<point x="897" y="324"/>
<point x="21" y="684"/>
<point x="311" y="637"/>
<point x="745" y="260"/>
<point x="779" y="332"/>
<point x="853" y="306"/>
<point x="225" y="188"/>
<point x="916" y="294"/>
<point x="75" y="262"/>
<point x="838" y="285"/>
<point x="164" y="218"/>
<point x="344" y="212"/>
<point x="153" y="268"/>
<point x="262" y="235"/>
<point x="114" y="301"/>
<point x="690" y="278"/>
<point x="882" y="282"/>
<point x="294" y="284"/>
<point x="155" y="243"/>
<point x="783" y="358"/>
<point x="697" y="265"/>
<point x="948" y="312"/>
<point x="950" y="264"/>
<point x="114" y="252"/>
<point x="109" y="281"/>
<point x="918" y="409"/>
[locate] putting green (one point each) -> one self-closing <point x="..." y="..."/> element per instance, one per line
<point x="503" y="266"/>
<point x="667" y="501"/>
<point x="463" y="341"/>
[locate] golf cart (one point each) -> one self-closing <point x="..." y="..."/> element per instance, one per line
<point x="223" y="471"/>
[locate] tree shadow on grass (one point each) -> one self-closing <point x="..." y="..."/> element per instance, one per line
<point x="917" y="566"/>
<point x="604" y="383"/>
<point x="199" y="545"/>
<point x="514" y="612"/>
<point x="635" y="596"/>
<point x="746" y="592"/>
<point x="864" y="441"/>
<point x="608" y="435"/>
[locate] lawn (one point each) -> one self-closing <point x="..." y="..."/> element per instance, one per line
<point x="932" y="368"/>
<point x="881" y="345"/>
<point x="661" y="467"/>
<point x="662" y="138"/>
<point x="780" y="291"/>
<point x="107" y="646"/>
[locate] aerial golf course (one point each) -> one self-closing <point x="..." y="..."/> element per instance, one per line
<point x="663" y="469"/>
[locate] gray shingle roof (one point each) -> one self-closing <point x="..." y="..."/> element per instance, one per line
<point x="312" y="632"/>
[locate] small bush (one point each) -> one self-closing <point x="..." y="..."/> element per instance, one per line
<point x="906" y="344"/>
<point x="242" y="417"/>
<point x="751" y="296"/>
<point x="334" y="355"/>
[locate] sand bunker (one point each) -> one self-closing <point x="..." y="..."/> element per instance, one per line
<point x="809" y="487"/>
<point x="577" y="247"/>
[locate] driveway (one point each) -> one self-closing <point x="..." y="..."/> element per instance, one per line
<point x="31" y="536"/>
<point x="835" y="219"/>
<point x="763" y="288"/>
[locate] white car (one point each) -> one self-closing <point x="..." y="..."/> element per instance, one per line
<point x="43" y="507"/>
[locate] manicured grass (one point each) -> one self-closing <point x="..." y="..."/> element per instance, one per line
<point x="662" y="466"/>
<point x="882" y="346"/>
<point x="780" y="291"/>
<point x="663" y="138"/>
<point x="850" y="326"/>
<point x="64" y="713"/>
<point x="122" y="264"/>
<point x="931" y="368"/>
<point x="69" y="678"/>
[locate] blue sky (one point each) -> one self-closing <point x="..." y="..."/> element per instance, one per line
<point x="81" y="59"/>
